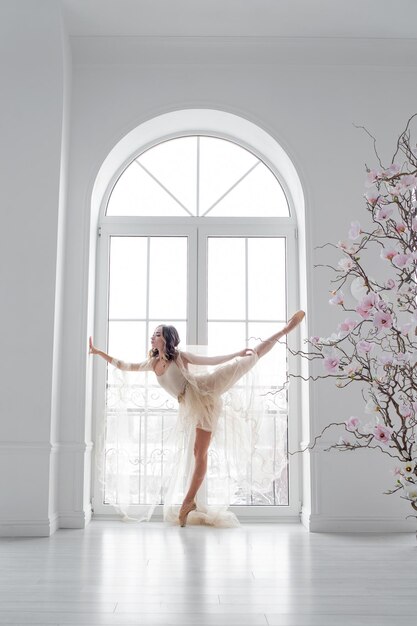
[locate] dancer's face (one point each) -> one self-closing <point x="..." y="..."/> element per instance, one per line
<point x="157" y="340"/>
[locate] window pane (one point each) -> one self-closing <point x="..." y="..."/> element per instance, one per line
<point x="272" y="366"/>
<point x="127" y="341"/>
<point x="136" y="193"/>
<point x="174" y="164"/>
<point x="226" y="278"/>
<point x="266" y="278"/>
<point x="128" y="260"/>
<point x="258" y="194"/>
<point x="168" y="278"/>
<point x="226" y="337"/>
<point x="273" y="441"/>
<point x="222" y="163"/>
<point x="165" y="181"/>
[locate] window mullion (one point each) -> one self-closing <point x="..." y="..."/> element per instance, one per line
<point x="198" y="178"/>
<point x="202" y="286"/>
<point x="246" y="289"/>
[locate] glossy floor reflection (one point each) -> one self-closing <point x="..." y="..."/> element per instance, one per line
<point x="155" y="574"/>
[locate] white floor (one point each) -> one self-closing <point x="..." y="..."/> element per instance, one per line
<point x="156" y="574"/>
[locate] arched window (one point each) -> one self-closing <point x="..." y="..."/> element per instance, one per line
<point x="198" y="176"/>
<point x="198" y="231"/>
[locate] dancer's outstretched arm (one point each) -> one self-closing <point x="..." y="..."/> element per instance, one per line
<point x="197" y="359"/>
<point x="121" y="365"/>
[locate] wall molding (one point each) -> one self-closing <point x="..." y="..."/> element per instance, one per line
<point x="46" y="446"/>
<point x="359" y="52"/>
<point x="75" y="519"/>
<point x="357" y="524"/>
<point x="29" y="528"/>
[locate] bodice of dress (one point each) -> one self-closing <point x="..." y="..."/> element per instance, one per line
<point x="173" y="380"/>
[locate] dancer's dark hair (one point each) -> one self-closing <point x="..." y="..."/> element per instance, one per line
<point x="172" y="339"/>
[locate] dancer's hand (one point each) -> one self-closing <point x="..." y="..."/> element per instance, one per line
<point x="245" y="352"/>
<point x="92" y="348"/>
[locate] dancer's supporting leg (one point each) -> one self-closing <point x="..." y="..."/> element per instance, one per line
<point x="265" y="346"/>
<point x="201" y="446"/>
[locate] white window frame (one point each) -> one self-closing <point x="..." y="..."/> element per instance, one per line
<point x="197" y="229"/>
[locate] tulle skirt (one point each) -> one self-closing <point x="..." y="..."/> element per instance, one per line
<point x="201" y="403"/>
<point x="224" y="402"/>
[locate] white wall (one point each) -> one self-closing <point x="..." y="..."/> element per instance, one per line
<point x="306" y="96"/>
<point x="32" y="204"/>
<point x="310" y="110"/>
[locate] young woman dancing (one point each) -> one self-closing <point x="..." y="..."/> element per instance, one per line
<point x="199" y="395"/>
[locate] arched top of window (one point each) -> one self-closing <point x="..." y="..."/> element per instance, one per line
<point x="199" y="176"/>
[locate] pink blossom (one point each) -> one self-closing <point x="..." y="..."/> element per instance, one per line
<point x="410" y="489"/>
<point x="382" y="320"/>
<point x="402" y="358"/>
<point x="372" y="196"/>
<point x="352" y="423"/>
<point x="414" y="224"/>
<point x="395" y="190"/>
<point x="402" y="260"/>
<point x="390" y="283"/>
<point x="331" y="363"/>
<point x="346" y="264"/>
<point x="347" y="325"/>
<point x="364" y="346"/>
<point x="354" y="230"/>
<point x="392" y="170"/>
<point x="405" y="328"/>
<point x="386" y="358"/>
<point x="372" y="406"/>
<point x="338" y="297"/>
<point x="372" y="176"/>
<point x="368" y="302"/>
<point x="407" y="182"/>
<point x="365" y="313"/>
<point x="388" y="253"/>
<point x="382" y="434"/>
<point x="344" y="246"/>
<point x="400" y="228"/>
<point x="405" y="409"/>
<point x="384" y="213"/>
<point x="315" y="339"/>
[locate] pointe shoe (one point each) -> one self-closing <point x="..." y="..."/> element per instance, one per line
<point x="294" y="321"/>
<point x="184" y="511"/>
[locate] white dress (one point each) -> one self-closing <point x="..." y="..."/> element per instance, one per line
<point x="212" y="401"/>
<point x="199" y="395"/>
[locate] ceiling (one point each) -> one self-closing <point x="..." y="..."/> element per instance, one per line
<point x="380" y="19"/>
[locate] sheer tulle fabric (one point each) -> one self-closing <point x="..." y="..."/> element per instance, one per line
<point x="224" y="401"/>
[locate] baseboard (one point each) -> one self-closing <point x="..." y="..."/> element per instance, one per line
<point x="248" y="519"/>
<point x="75" y="519"/>
<point x="357" y="524"/>
<point x="29" y="528"/>
<point x="305" y="517"/>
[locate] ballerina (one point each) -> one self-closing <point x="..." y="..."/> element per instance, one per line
<point x="199" y="396"/>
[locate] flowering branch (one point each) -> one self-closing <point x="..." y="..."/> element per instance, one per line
<point x="376" y="344"/>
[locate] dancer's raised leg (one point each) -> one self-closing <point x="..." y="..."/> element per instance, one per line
<point x="225" y="376"/>
<point x="265" y="346"/>
<point x="201" y="446"/>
